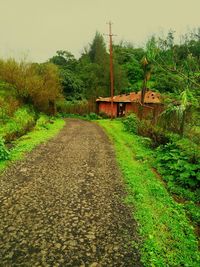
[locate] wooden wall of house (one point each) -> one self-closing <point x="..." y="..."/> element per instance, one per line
<point x="148" y="111"/>
<point x="132" y="107"/>
<point x="105" y="107"/>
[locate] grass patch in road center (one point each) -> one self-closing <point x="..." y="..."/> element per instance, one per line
<point x="168" y="237"/>
<point x="29" y="141"/>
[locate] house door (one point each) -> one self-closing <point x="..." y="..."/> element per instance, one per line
<point x="121" y="109"/>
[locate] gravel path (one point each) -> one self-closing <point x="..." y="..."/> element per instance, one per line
<point x="62" y="205"/>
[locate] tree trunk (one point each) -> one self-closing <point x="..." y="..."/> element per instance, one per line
<point x="52" y="107"/>
<point x="143" y="92"/>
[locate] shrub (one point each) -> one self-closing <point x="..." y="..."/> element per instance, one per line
<point x="103" y="115"/>
<point x="42" y="122"/>
<point x="179" y="164"/>
<point x="19" y="124"/>
<point x="131" y="123"/>
<point x="156" y="134"/>
<point x="37" y="84"/>
<point x="93" y="116"/>
<point x="4" y="154"/>
<point x="194" y="134"/>
<point x="4" y="110"/>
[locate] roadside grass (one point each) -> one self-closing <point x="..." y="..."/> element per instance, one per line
<point x="40" y="134"/>
<point x="22" y="121"/>
<point x="168" y="237"/>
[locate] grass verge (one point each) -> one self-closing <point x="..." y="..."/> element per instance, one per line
<point x="27" y="142"/>
<point x="168" y="237"/>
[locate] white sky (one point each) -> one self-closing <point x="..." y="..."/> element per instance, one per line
<point x="38" y="28"/>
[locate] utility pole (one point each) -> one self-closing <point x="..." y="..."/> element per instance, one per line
<point x="111" y="68"/>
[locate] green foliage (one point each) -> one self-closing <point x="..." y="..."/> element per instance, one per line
<point x="103" y="115"/>
<point x="29" y="141"/>
<point x="154" y="132"/>
<point x="36" y="84"/>
<point x="178" y="165"/>
<point x="42" y="122"/>
<point x="168" y="83"/>
<point x="73" y="86"/>
<point x="93" y="116"/>
<point x="193" y="211"/>
<point x="168" y="238"/>
<point x="8" y="101"/>
<point x="178" y="116"/>
<point x="4" y="110"/>
<point x="131" y="123"/>
<point x="21" y="122"/>
<point x="194" y="134"/>
<point x="4" y="154"/>
<point x="129" y="59"/>
<point x="64" y="59"/>
<point x="134" y="71"/>
<point x="97" y="52"/>
<point x="82" y="107"/>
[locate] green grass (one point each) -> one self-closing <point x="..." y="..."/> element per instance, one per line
<point x="168" y="237"/>
<point x="22" y="121"/>
<point x="29" y="141"/>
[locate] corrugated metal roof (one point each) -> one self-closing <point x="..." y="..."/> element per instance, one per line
<point x="150" y="97"/>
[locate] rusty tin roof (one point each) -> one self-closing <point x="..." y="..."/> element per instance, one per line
<point x="150" y="97"/>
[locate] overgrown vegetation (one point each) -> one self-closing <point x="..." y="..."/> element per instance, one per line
<point x="21" y="122"/>
<point x="19" y="113"/>
<point x="44" y="130"/>
<point x="177" y="160"/>
<point x="4" y="153"/>
<point x="35" y="84"/>
<point x="168" y="237"/>
<point x="78" y="107"/>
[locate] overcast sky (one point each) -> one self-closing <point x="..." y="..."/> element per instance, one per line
<point x="38" y="28"/>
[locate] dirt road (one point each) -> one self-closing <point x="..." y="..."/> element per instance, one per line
<point x="62" y="205"/>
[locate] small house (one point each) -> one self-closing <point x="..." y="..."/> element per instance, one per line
<point x="127" y="103"/>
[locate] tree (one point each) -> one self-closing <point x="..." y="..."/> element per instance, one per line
<point x="93" y="68"/>
<point x="73" y="86"/>
<point x="64" y="59"/>
<point x="147" y="68"/>
<point x="128" y="59"/>
<point x="36" y="84"/>
<point x="97" y="52"/>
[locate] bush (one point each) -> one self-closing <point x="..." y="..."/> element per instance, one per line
<point x="38" y="84"/>
<point x="42" y="122"/>
<point x="4" y="111"/>
<point x="179" y="164"/>
<point x="193" y="211"/>
<point x="194" y="134"/>
<point x="8" y="102"/>
<point x="131" y="123"/>
<point x="156" y="134"/>
<point x="22" y="121"/>
<point x="93" y="116"/>
<point x="4" y="154"/>
<point x="103" y="115"/>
